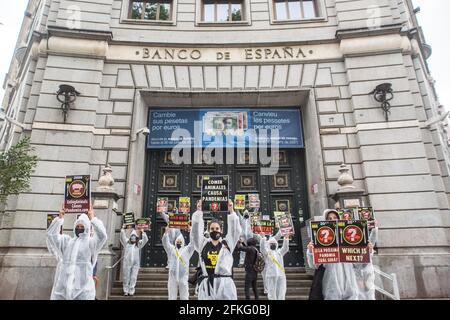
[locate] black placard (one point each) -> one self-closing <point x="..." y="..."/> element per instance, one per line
<point x="128" y="219"/>
<point x="215" y="191"/>
<point x="77" y="195"/>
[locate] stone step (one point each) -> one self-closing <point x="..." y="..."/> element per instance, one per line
<point x="164" y="297"/>
<point x="288" y="270"/>
<point x="163" y="291"/>
<point x="163" y="283"/>
<point x="236" y="276"/>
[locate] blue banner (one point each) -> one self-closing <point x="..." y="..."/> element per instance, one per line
<point x="228" y="128"/>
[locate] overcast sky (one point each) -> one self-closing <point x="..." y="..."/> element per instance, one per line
<point x="433" y="18"/>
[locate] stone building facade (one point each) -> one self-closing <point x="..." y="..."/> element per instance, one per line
<point x="324" y="61"/>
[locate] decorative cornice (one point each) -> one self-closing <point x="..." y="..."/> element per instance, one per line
<point x="368" y="32"/>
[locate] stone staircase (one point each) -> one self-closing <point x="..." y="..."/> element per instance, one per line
<point x="152" y="285"/>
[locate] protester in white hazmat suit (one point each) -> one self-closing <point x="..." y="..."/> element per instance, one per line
<point x="274" y="273"/>
<point x="131" y="259"/>
<point x="79" y="254"/>
<point x="247" y="233"/>
<point x="216" y="255"/>
<point x="52" y="249"/>
<point x="179" y="256"/>
<point x="365" y="273"/>
<point x="339" y="281"/>
<point x="173" y="232"/>
<point x="263" y="273"/>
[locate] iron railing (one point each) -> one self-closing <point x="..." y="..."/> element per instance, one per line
<point x="108" y="279"/>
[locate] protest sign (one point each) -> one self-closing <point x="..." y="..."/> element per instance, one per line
<point x="185" y="205"/>
<point x="346" y="214"/>
<point x="215" y="193"/>
<point x="162" y="205"/>
<point x="263" y="227"/>
<point x="143" y="224"/>
<point x="284" y="223"/>
<point x="353" y="238"/>
<point x="239" y="201"/>
<point x="367" y="213"/>
<point x="324" y="238"/>
<point x="77" y="194"/>
<point x="253" y="201"/>
<point x="128" y="219"/>
<point x="50" y="218"/>
<point x="179" y="221"/>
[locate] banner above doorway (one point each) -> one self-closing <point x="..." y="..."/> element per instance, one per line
<point x="228" y="128"/>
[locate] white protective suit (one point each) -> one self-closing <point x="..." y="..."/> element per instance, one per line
<point x="263" y="273"/>
<point x="79" y="255"/>
<point x="275" y="276"/>
<point x="246" y="234"/>
<point x="365" y="273"/>
<point x="173" y="233"/>
<point x="178" y="267"/>
<point x="223" y="288"/>
<point x="339" y="280"/>
<point x="131" y="260"/>
<point x="52" y="249"/>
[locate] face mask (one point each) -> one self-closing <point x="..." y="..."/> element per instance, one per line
<point x="79" y="231"/>
<point x="215" y="235"/>
<point x="178" y="245"/>
<point x="273" y="247"/>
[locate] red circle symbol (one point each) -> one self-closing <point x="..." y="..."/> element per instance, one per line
<point x="353" y="235"/>
<point x="77" y="188"/>
<point x="214" y="206"/>
<point x="325" y="236"/>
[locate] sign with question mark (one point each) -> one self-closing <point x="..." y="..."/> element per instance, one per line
<point x="353" y="241"/>
<point x="324" y="238"/>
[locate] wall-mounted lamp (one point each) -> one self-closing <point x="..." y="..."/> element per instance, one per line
<point x="67" y="96"/>
<point x="384" y="93"/>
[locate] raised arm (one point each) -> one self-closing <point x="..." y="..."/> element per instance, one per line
<point x="285" y="248"/>
<point x="168" y="247"/>
<point x="165" y="217"/>
<point x="278" y="235"/>
<point x="197" y="231"/>
<point x="373" y="237"/>
<point x="263" y="245"/>
<point x="57" y="240"/>
<point x="190" y="246"/>
<point x="310" y="256"/>
<point x="123" y="237"/>
<point x="100" y="236"/>
<point x="143" y="241"/>
<point x="234" y="228"/>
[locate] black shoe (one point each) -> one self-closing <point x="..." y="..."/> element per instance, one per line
<point x="125" y="294"/>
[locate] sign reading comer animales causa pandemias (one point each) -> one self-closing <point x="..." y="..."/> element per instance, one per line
<point x="353" y="241"/>
<point x="324" y="238"/>
<point x="215" y="193"/>
<point x="77" y="196"/>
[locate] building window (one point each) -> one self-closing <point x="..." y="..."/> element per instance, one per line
<point x="158" y="10"/>
<point x="222" y="10"/>
<point x="295" y="9"/>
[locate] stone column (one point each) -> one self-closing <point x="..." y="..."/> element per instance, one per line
<point x="347" y="195"/>
<point x="105" y="205"/>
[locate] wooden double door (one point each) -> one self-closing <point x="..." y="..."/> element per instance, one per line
<point x="283" y="191"/>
